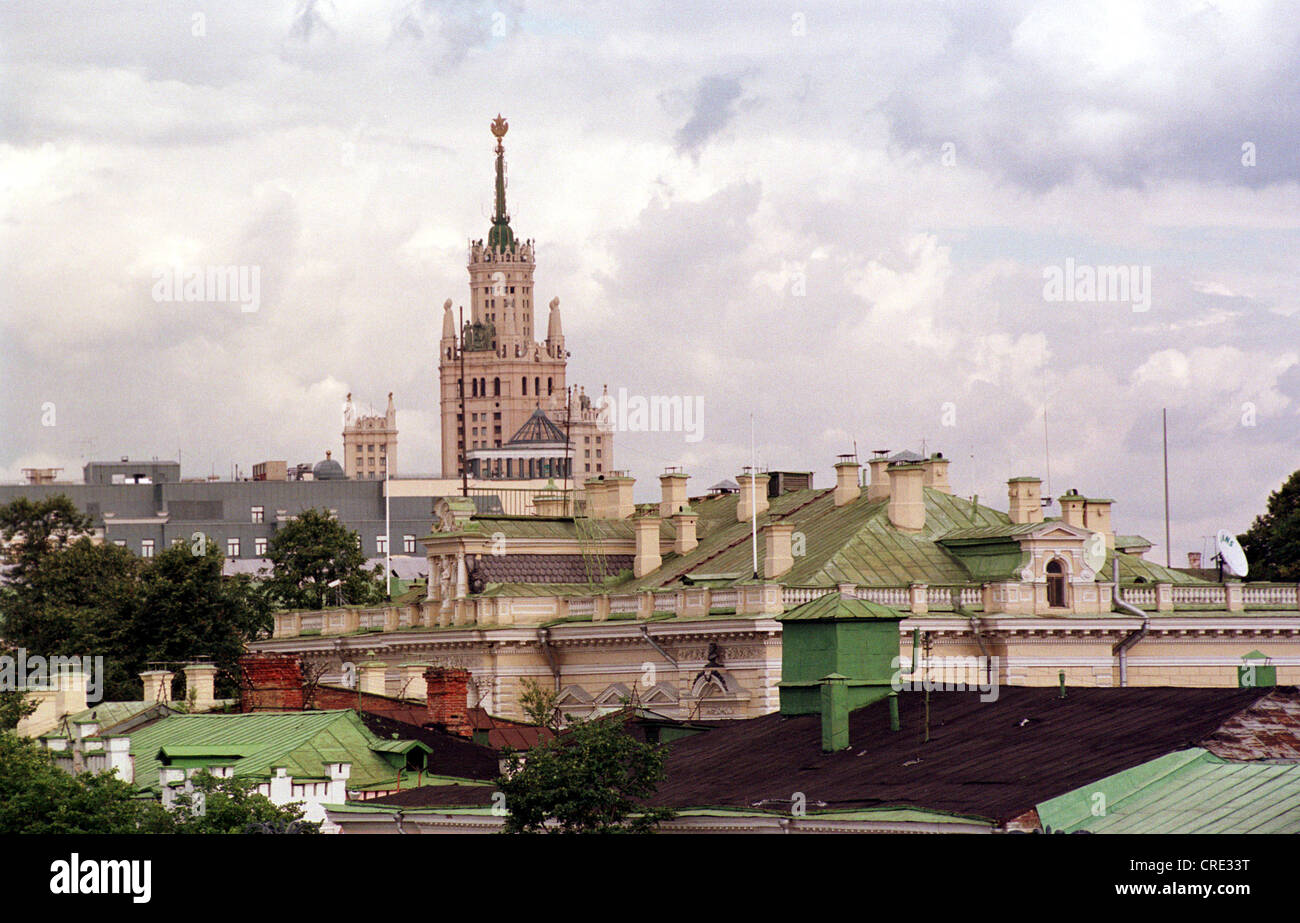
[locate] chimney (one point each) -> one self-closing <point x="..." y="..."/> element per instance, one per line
<point x="1194" y="560"/>
<point x="878" y="489"/>
<point x="549" y="504"/>
<point x="647" y="546"/>
<point x="72" y="691"/>
<point x="1072" y="505"/>
<point x="372" y="677"/>
<point x="200" y="685"/>
<point x="1025" y="500"/>
<point x="936" y="472"/>
<point x="413" y="684"/>
<point x="672" y="492"/>
<point x="777" y="555"/>
<point x="1096" y="517"/>
<point x="752" y="498"/>
<point x="447" y="698"/>
<point x="684" y="522"/>
<point x="157" y="685"/>
<point x="835" y="712"/>
<point x="270" y="682"/>
<point x="847" y="473"/>
<point x="610" y="498"/>
<point x="907" y="497"/>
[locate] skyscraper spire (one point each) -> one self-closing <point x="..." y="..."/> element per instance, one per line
<point x="500" y="235"/>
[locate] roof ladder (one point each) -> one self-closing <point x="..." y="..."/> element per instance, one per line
<point x="592" y="547"/>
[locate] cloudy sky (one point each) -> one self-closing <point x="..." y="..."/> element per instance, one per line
<point x="839" y="220"/>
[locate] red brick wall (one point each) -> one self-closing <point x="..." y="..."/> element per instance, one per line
<point x="270" y="682"/>
<point x="448" y="690"/>
<point x="333" y="697"/>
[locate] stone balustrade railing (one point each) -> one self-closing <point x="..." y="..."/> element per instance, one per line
<point x="770" y="599"/>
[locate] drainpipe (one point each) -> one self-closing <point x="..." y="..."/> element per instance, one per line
<point x="1121" y="649"/>
<point x="645" y="633"/>
<point x="974" y="630"/>
<point x="544" y="641"/>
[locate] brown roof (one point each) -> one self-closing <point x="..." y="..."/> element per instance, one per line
<point x="548" y="568"/>
<point x="993" y="760"/>
<point x="450" y="755"/>
<point x="503" y="732"/>
<point x="1268" y="730"/>
<point x="431" y="796"/>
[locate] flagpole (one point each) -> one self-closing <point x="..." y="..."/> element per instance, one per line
<point x="753" y="497"/>
<point x="388" y="533"/>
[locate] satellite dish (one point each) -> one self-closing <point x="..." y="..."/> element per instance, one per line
<point x="1094" y="551"/>
<point x="1231" y="556"/>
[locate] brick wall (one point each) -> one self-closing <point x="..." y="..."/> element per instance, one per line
<point x="270" y="682"/>
<point x="333" y="697"/>
<point x="448" y="690"/>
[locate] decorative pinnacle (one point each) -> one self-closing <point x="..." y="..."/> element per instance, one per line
<point x="499" y="128"/>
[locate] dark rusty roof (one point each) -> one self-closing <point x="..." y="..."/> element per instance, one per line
<point x="449" y="755"/>
<point x="1268" y="730"/>
<point x="433" y="796"/>
<point x="548" y="568"/>
<point x="993" y="760"/>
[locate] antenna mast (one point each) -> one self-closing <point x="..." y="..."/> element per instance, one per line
<point x="1164" y="426"/>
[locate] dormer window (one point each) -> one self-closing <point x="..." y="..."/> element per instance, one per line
<point x="1056" y="585"/>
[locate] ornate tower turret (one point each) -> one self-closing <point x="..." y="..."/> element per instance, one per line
<point x="554" y="332"/>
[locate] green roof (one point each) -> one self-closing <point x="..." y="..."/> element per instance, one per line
<point x="255" y="743"/>
<point x="1188" y="791"/>
<point x="834" y="607"/>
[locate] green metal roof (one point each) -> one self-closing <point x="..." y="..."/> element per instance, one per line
<point x="833" y="607"/>
<point x="1188" y="791"/>
<point x="302" y="742"/>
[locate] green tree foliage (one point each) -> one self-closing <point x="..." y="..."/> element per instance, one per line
<point x="38" y="797"/>
<point x="541" y="706"/>
<point x="591" y="779"/>
<point x="311" y="552"/>
<point x="224" y="806"/>
<point x="81" y="599"/>
<point x="1272" y="543"/>
<point x="31" y="529"/>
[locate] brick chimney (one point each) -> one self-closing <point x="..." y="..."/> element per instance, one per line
<point x="936" y="472"/>
<point x="777" y="555"/>
<point x="270" y="682"/>
<point x="1025" y="500"/>
<point x="647" y="557"/>
<point x="1194" y="560"/>
<point x="1096" y="518"/>
<point x="878" y="489"/>
<point x="447" y="699"/>
<point x="672" y="492"/>
<point x="907" y="497"/>
<point x="685" y="539"/>
<point x="157" y="685"/>
<point x="1072" y="508"/>
<point x="847" y="473"/>
<point x="753" y="493"/>
<point x="200" y="685"/>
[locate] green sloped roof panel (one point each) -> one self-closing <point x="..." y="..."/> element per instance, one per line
<point x="1188" y="791"/>
<point x="833" y="606"/>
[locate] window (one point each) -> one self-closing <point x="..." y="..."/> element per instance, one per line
<point x="259" y="514"/>
<point x="232" y="547"/>
<point x="259" y="547"/>
<point x="381" y="544"/>
<point x="523" y="383"/>
<point x="119" y="542"/>
<point x="408" y="544"/>
<point x="146" y="548"/>
<point x="1056" y="587"/>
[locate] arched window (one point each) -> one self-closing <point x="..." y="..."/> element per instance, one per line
<point x="523" y="383"/>
<point x="496" y="387"/>
<point x="1056" y="585"/>
<point x="550" y="386"/>
<point x="537" y="385"/>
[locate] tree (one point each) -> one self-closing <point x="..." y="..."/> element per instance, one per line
<point x="38" y="797"/>
<point x="228" y="805"/>
<point x="1272" y="543"/>
<point x="541" y="706"/>
<point x="32" y="529"/>
<point x="311" y="552"/>
<point x="594" y="778"/>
